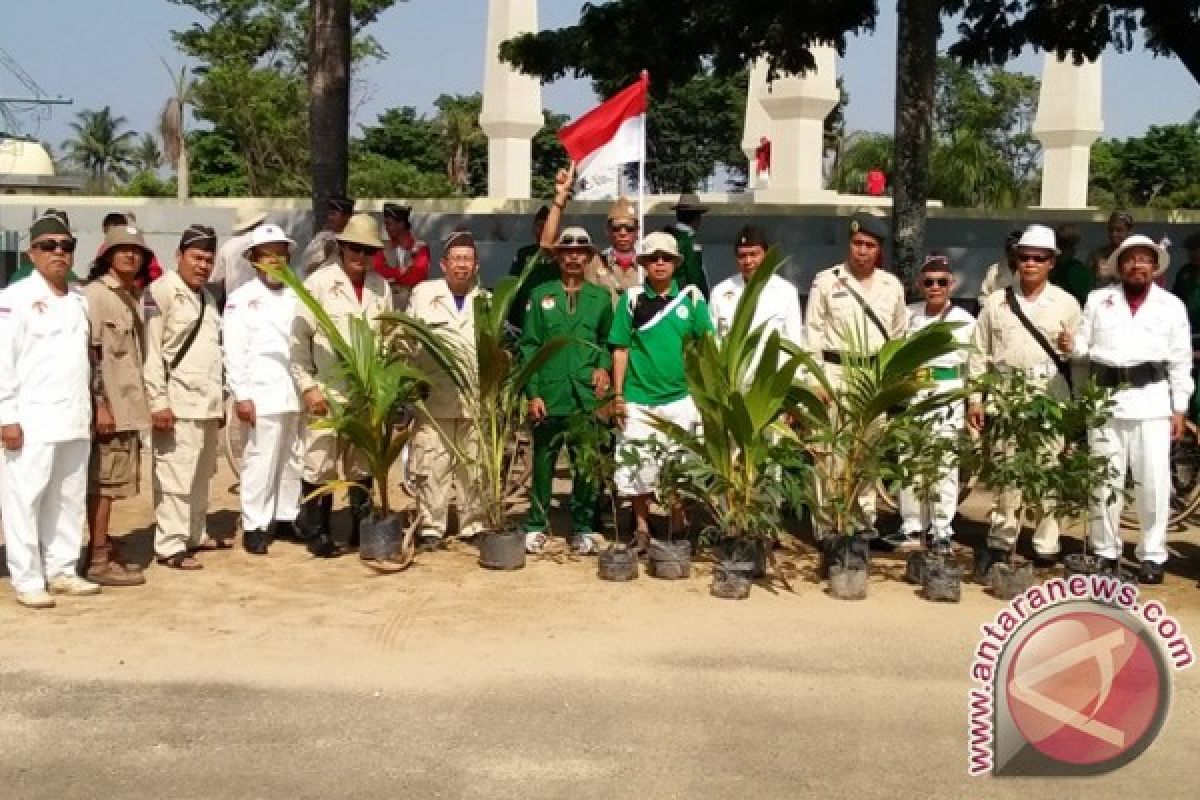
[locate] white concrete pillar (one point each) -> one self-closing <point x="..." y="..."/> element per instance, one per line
<point x="512" y="103"/>
<point x="757" y="121"/>
<point x="1069" y="119"/>
<point x="796" y="108"/>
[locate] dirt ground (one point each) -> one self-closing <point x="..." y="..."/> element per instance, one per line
<point x="287" y="677"/>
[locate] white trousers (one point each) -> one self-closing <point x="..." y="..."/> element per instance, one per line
<point x="1143" y="446"/>
<point x="42" y="490"/>
<point x="938" y="513"/>
<point x="637" y="439"/>
<point x="272" y="464"/>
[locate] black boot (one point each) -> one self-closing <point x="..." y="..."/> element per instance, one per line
<point x="316" y="517"/>
<point x="285" y="530"/>
<point x="255" y="542"/>
<point x="360" y="508"/>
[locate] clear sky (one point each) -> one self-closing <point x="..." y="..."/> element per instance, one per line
<point x="106" y="52"/>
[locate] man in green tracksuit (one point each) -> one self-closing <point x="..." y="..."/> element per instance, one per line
<point x="688" y="212"/>
<point x="567" y="385"/>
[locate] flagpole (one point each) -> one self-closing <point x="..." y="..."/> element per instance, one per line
<point x="642" y="166"/>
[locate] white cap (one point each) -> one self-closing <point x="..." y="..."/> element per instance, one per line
<point x="1039" y="237"/>
<point x="266" y="234"/>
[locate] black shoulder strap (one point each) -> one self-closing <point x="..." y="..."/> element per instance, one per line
<point x="192" y="333"/>
<point x="1063" y="366"/>
<point x="870" y="312"/>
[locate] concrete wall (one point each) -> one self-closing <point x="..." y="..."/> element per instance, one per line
<point x="812" y="237"/>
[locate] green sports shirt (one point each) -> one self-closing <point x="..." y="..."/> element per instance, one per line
<point x="654" y="330"/>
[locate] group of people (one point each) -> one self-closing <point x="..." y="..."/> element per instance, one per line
<point x="90" y="374"/>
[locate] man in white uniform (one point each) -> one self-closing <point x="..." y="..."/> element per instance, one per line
<point x="778" y="306"/>
<point x="936" y="514"/>
<point x="46" y="418"/>
<point x="258" y="328"/>
<point x="1139" y="343"/>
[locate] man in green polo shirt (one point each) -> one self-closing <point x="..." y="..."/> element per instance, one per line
<point x="567" y="385"/>
<point x="652" y="324"/>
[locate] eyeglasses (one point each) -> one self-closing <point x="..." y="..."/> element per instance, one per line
<point x="654" y="258"/>
<point x="623" y="228"/>
<point x="941" y="283"/>
<point x="361" y="249"/>
<point x="574" y="241"/>
<point x="1036" y="258"/>
<point x="54" y="245"/>
<point x="1140" y="261"/>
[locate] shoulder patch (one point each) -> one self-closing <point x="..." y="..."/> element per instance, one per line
<point x="682" y="311"/>
<point x="547" y="302"/>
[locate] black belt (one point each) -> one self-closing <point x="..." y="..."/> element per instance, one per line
<point x="1137" y="375"/>
<point x="834" y="357"/>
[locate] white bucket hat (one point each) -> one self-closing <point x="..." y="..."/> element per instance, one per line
<point x="246" y="219"/>
<point x="267" y="234"/>
<point x="1039" y="237"/>
<point x="1111" y="266"/>
<point x="660" y="242"/>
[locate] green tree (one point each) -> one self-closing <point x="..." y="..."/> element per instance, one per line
<point x="609" y="44"/>
<point x="862" y="152"/>
<point x="147" y="157"/>
<point x="548" y="155"/>
<point x="1160" y="168"/>
<point x="217" y="168"/>
<point x="253" y="84"/>
<point x="101" y="145"/>
<point x="463" y="141"/>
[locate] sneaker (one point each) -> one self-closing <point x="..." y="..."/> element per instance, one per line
<point x="584" y="544"/>
<point x="942" y="546"/>
<point x="35" y="599"/>
<point x="908" y="542"/>
<point x="72" y="585"/>
<point x="1045" y="562"/>
<point x="896" y="539"/>
<point x="535" y="542"/>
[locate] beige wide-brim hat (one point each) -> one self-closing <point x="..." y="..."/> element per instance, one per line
<point x="246" y="219"/>
<point x="660" y="242"/>
<point x="362" y="229"/>
<point x="1111" y="266"/>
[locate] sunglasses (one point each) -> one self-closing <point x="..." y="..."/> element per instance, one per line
<point x="654" y="258"/>
<point x="574" y="241"/>
<point x="941" y="283"/>
<point x="1032" y="257"/>
<point x="54" y="245"/>
<point x="624" y="228"/>
<point x="361" y="249"/>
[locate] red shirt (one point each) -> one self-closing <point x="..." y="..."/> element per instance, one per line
<point x="417" y="271"/>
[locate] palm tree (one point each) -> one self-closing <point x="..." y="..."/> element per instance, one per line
<point x="101" y="146"/>
<point x="458" y="122"/>
<point x="148" y="156"/>
<point x="172" y="127"/>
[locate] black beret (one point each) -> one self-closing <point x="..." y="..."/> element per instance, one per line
<point x="870" y="225"/>
<point x="396" y="211"/>
<point x="339" y="202"/>
<point x="751" y="236"/>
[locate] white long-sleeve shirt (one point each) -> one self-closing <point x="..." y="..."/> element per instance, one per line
<point x="258" y="329"/>
<point x="1113" y="335"/>
<point x="45" y="373"/>
<point x="778" y="309"/>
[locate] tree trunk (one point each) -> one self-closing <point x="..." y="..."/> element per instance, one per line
<point x="182" y="183"/>
<point x="329" y="38"/>
<point x="920" y="25"/>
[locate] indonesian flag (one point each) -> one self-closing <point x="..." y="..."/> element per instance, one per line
<point x="611" y="134"/>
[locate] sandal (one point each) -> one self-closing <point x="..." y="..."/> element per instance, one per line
<point x="113" y="573"/>
<point x="208" y="544"/>
<point x="182" y="560"/>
